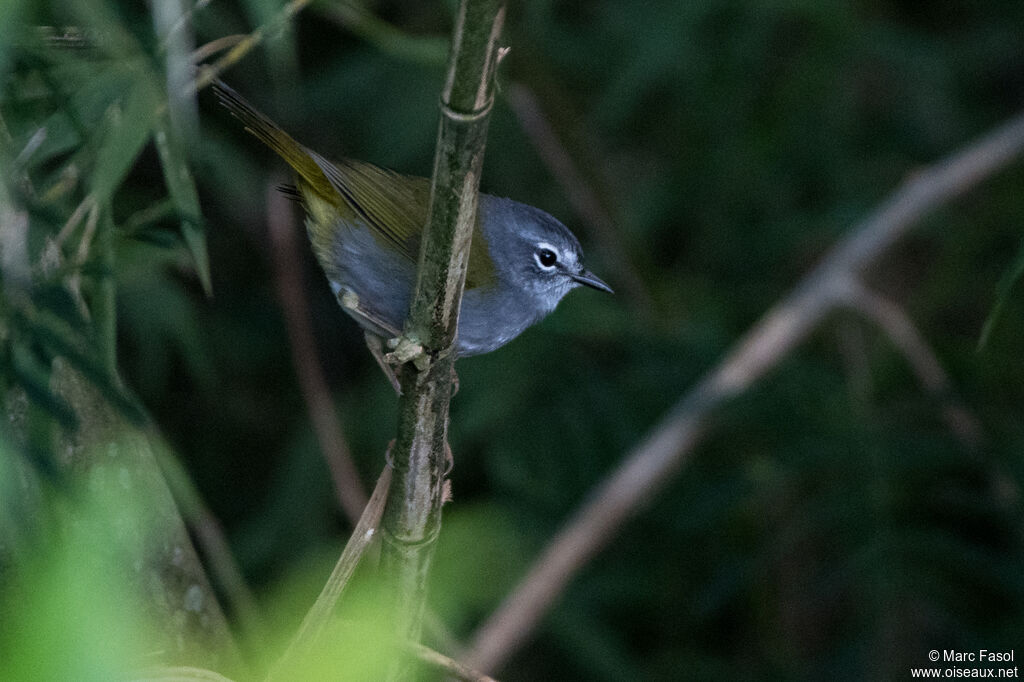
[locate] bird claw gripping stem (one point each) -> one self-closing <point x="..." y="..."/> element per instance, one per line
<point x="407" y="348"/>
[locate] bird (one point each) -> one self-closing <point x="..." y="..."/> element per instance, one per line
<point x="365" y="223"/>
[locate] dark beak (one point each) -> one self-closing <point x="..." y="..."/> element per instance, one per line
<point x="591" y="280"/>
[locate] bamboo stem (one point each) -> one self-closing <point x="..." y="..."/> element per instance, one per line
<point x="412" y="517"/>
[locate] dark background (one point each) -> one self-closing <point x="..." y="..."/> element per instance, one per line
<point x="831" y="525"/>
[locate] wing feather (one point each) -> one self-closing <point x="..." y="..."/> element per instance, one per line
<point x="393" y="206"/>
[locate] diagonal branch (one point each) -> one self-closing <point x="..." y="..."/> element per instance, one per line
<point x="315" y="393"/>
<point x="319" y="615"/>
<point x="646" y="469"/>
<point x="213" y="545"/>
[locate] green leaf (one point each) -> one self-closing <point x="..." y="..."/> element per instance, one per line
<point x="67" y="612"/>
<point x="55" y="337"/>
<point x="183" y="192"/>
<point x="81" y="110"/>
<point x="59" y="340"/>
<point x="33" y="375"/>
<point x="128" y="127"/>
<point x="54" y="297"/>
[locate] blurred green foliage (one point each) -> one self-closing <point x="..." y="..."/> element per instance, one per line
<point x="831" y="526"/>
<point x="65" y="619"/>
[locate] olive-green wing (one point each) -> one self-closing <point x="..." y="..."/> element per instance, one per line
<point x="394" y="206"/>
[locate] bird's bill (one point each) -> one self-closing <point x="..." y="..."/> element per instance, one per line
<point x="591" y="280"/>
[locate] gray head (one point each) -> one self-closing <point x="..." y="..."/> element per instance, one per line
<point x="533" y="252"/>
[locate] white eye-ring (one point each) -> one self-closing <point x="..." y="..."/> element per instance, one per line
<point x="546" y="256"/>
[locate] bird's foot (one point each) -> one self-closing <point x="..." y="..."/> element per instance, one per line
<point x="407" y="348"/>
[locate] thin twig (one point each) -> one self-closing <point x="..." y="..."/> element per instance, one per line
<point x="209" y="73"/>
<point x="76" y="217"/>
<point x="423" y="50"/>
<point x="85" y="243"/>
<point x="34" y="142"/>
<point x="207" y="50"/>
<point x="447" y="665"/>
<point x="898" y="326"/>
<point x="319" y="616"/>
<point x="315" y="393"/>
<point x="64" y="184"/>
<point x="648" y="467"/>
<point x="74" y="280"/>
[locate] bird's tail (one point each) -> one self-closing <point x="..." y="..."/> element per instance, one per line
<point x="271" y="134"/>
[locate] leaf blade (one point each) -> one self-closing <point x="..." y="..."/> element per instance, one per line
<point x="182" y="188"/>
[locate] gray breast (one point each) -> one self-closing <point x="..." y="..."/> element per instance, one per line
<point x="491" y="317"/>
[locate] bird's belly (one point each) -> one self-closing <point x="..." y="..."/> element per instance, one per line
<point x="488" y="320"/>
<point x="372" y="284"/>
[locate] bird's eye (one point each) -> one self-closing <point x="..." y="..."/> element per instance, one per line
<point x="546" y="258"/>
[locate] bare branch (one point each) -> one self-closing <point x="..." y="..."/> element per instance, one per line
<point x="647" y="468"/>
<point x="315" y="393"/>
<point x="319" y="616"/>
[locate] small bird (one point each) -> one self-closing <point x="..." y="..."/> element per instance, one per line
<point x="365" y="224"/>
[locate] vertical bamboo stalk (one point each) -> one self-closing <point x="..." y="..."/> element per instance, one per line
<point x="412" y="517"/>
